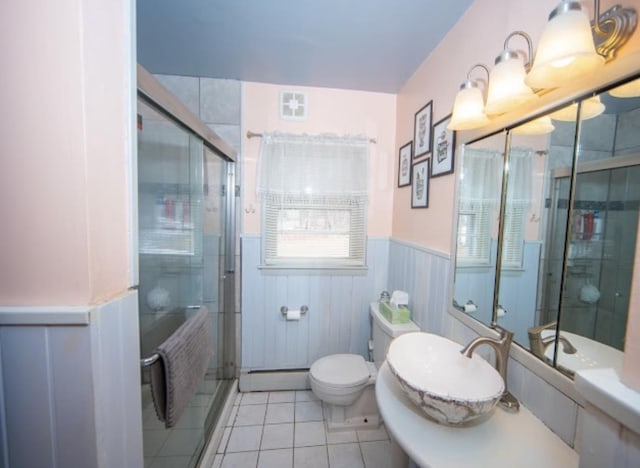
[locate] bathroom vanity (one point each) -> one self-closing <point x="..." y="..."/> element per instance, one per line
<point x="503" y="440"/>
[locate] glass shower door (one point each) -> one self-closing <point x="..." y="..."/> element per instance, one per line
<point x="182" y="250"/>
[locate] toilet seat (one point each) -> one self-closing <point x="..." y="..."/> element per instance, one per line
<point x="341" y="370"/>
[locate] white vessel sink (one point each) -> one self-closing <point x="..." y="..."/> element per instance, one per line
<point x="590" y="354"/>
<point x="449" y="387"/>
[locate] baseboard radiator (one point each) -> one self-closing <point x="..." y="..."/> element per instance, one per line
<point x="269" y="380"/>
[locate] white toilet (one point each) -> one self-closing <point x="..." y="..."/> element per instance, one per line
<point x="346" y="382"/>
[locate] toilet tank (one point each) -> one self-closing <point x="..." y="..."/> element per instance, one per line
<point x="383" y="332"/>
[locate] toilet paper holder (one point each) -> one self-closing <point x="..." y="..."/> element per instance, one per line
<point x="303" y="310"/>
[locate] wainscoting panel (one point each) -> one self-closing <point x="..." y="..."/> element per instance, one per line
<point x="338" y="317"/>
<point x="70" y="393"/>
<point x="424" y="274"/>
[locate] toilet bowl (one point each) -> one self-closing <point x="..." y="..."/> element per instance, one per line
<point x="345" y="383"/>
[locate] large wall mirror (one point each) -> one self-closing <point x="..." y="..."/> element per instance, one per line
<point x="557" y="199"/>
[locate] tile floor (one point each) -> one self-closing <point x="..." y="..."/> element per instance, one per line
<point x="287" y="430"/>
<point x="175" y="448"/>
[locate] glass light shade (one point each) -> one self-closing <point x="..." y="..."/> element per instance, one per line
<point x="565" y="51"/>
<point x="468" y="110"/>
<point x="627" y="90"/>
<point x="507" y="89"/>
<point x="591" y="108"/>
<point x="540" y="126"/>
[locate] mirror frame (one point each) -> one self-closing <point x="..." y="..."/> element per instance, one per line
<point x="614" y="73"/>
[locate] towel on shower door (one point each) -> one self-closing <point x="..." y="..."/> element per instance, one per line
<point x="184" y="358"/>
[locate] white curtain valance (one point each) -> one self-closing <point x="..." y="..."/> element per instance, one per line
<point x="306" y="166"/>
<point x="481" y="176"/>
<point x="520" y="183"/>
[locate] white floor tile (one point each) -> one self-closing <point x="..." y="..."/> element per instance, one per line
<point x="171" y="462"/>
<point x="254" y="398"/>
<point x="341" y="437"/>
<point x="282" y="397"/>
<point x="305" y="395"/>
<point x="308" y="411"/>
<point x="282" y="458"/>
<point x="181" y="442"/>
<point x="238" y="399"/>
<point x="310" y="457"/>
<point x="369" y="435"/>
<point x="250" y="415"/>
<point x="240" y="460"/>
<point x="279" y="413"/>
<point x="345" y="456"/>
<point x="153" y="441"/>
<point x="309" y="433"/>
<point x="277" y="436"/>
<point x="192" y="418"/>
<point x="376" y="454"/>
<point x="244" y="439"/>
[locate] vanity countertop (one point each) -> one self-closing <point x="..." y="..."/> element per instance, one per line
<point x="504" y="440"/>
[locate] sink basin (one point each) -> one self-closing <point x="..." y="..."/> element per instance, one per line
<point x="590" y="354"/>
<point x="450" y="388"/>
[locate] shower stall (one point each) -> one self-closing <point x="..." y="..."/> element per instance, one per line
<point x="588" y="283"/>
<point x="186" y="253"/>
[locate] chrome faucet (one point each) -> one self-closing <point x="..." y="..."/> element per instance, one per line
<point x="539" y="344"/>
<point x="501" y="346"/>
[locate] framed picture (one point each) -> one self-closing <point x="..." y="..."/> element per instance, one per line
<point x="420" y="185"/>
<point x="444" y="143"/>
<point x="422" y="130"/>
<point x="404" y="165"/>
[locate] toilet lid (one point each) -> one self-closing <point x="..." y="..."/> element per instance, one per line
<point x="341" y="370"/>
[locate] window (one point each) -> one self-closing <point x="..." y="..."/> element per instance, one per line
<point x="478" y="205"/>
<point x="314" y="201"/>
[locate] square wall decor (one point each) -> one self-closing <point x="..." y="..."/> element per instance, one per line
<point x="293" y="105"/>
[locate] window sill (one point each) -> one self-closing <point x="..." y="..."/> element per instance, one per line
<point x="310" y="271"/>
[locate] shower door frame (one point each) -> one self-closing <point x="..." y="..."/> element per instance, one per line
<point x="155" y="95"/>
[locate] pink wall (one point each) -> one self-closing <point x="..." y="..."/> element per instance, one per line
<point x="477" y="37"/>
<point x="64" y="149"/>
<point x="329" y="111"/>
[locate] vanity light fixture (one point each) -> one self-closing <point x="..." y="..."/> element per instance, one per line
<point x="591" y="108"/>
<point x="468" y="107"/>
<point x="627" y="90"/>
<point x="507" y="88"/>
<point x="540" y="126"/>
<point x="571" y="47"/>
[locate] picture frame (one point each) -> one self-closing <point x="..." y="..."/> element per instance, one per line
<point x="420" y="184"/>
<point x="404" y="164"/>
<point x="422" y="130"/>
<point x="444" y="144"/>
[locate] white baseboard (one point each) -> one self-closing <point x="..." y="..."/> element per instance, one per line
<point x="267" y="381"/>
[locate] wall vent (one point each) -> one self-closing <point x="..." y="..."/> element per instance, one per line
<point x="293" y="105"/>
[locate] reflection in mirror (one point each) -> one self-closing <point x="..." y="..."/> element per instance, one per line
<point x="478" y="214"/>
<point x="569" y="230"/>
<point x="604" y="229"/>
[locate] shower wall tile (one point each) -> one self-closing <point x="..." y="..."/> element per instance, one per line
<point x="220" y="101"/>
<point x="628" y="132"/>
<point x="598" y="134"/>
<point x="563" y="135"/>
<point x="185" y="88"/>
<point x="230" y="134"/>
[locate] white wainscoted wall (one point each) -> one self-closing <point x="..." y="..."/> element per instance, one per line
<point x="599" y="439"/>
<point x="70" y="385"/>
<point x="338" y="317"/>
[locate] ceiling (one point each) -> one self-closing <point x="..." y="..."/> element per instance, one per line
<point x="371" y="45"/>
